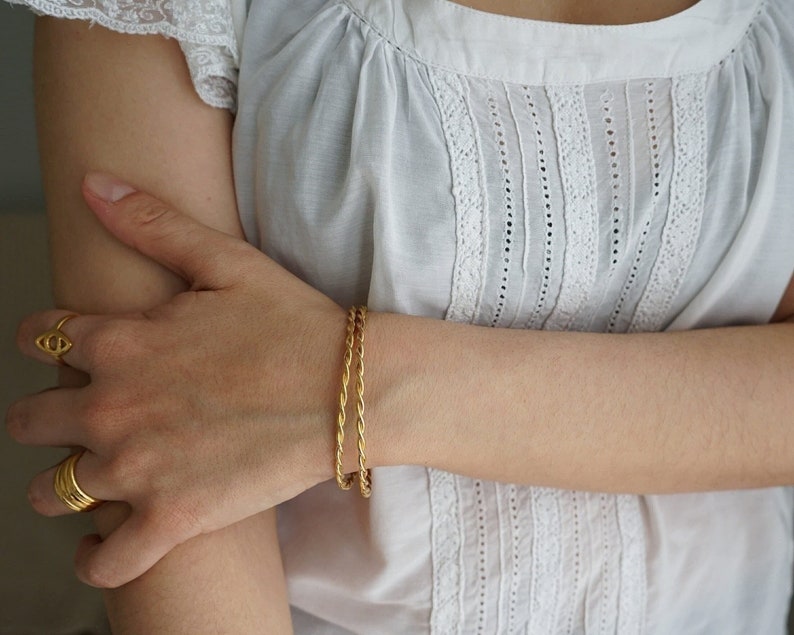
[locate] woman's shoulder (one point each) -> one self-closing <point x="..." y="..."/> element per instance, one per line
<point x="209" y="33"/>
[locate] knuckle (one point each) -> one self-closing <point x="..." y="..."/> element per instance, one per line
<point x="114" y="340"/>
<point x="129" y="467"/>
<point x="115" y="471"/>
<point x="99" y="342"/>
<point x="177" y="519"/>
<point x="161" y="222"/>
<point x="128" y="339"/>
<point x="95" y="411"/>
<point x="146" y="210"/>
<point x="226" y="262"/>
<point x="105" y="414"/>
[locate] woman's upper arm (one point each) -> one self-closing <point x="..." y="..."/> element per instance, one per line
<point x="125" y="105"/>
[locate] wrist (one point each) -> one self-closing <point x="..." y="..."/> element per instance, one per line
<point x="395" y="400"/>
<point x="387" y="409"/>
<point x="400" y="385"/>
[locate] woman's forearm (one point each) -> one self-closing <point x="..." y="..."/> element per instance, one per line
<point x="126" y="104"/>
<point x="640" y="413"/>
<point x="228" y="582"/>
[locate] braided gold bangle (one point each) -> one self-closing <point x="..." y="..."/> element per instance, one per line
<point x="364" y="476"/>
<point x="354" y="354"/>
<point x="344" y="481"/>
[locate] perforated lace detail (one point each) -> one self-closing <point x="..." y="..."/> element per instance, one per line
<point x="515" y="558"/>
<point x="687" y="200"/>
<point x="653" y="138"/>
<point x="204" y="29"/>
<point x="606" y="571"/>
<point x="577" y="170"/>
<point x="550" y="547"/>
<point x="463" y="143"/>
<point x="576" y="572"/>
<point x="546" y="555"/>
<point x="545" y="189"/>
<point x="509" y="207"/>
<point x="632" y="598"/>
<point x="652" y="128"/>
<point x="615" y="180"/>
<point x="468" y="191"/>
<point x="482" y="557"/>
<point x="447" y="542"/>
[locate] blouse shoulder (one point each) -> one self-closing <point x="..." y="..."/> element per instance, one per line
<point x="209" y="33"/>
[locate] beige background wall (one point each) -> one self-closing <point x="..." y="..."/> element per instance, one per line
<point x="39" y="595"/>
<point x="19" y="170"/>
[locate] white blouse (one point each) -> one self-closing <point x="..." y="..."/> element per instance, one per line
<point x="434" y="160"/>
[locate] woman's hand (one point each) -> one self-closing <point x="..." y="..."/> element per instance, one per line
<point x="200" y="412"/>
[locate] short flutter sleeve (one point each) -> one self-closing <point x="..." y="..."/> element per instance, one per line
<point x="208" y="31"/>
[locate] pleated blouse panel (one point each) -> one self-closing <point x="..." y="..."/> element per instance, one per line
<point x="434" y="160"/>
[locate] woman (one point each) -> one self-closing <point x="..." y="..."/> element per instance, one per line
<point x="583" y="188"/>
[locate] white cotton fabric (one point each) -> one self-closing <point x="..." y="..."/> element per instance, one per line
<point x="435" y="160"/>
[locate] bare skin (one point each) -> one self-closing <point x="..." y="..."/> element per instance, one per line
<point x="142" y="123"/>
<point x="578" y="12"/>
<point x="417" y="377"/>
<point x="642" y="413"/>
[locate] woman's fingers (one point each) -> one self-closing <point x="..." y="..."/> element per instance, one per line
<point x="204" y="257"/>
<point x="84" y="342"/>
<point x="47" y="418"/>
<point x="87" y="473"/>
<point x="55" y="338"/>
<point x="127" y="553"/>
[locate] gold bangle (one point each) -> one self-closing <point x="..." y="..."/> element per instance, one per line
<point x="364" y="475"/>
<point x="354" y="353"/>
<point x="344" y="481"/>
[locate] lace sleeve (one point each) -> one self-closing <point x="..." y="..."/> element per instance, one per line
<point x="207" y="30"/>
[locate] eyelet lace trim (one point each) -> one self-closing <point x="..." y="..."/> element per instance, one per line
<point x="541" y="309"/>
<point x="447" y="539"/>
<point x="577" y="169"/>
<point x="468" y="191"/>
<point x="204" y="29"/>
<point x="687" y="205"/>
<point x="633" y="597"/>
<point x="508" y="203"/>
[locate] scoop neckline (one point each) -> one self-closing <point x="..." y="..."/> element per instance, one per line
<point x="478" y="43"/>
<point x="556" y="24"/>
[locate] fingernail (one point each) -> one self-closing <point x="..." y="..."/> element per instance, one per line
<point x="106" y="187"/>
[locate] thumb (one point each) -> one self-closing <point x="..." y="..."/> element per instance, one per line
<point x="204" y="257"/>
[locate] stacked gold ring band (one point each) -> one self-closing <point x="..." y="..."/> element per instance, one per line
<point x="67" y="489"/>
<point x="55" y="342"/>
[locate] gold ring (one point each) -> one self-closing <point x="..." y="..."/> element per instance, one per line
<point x="68" y="491"/>
<point x="55" y="342"/>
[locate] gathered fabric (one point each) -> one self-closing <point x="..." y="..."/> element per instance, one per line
<point x="428" y="159"/>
